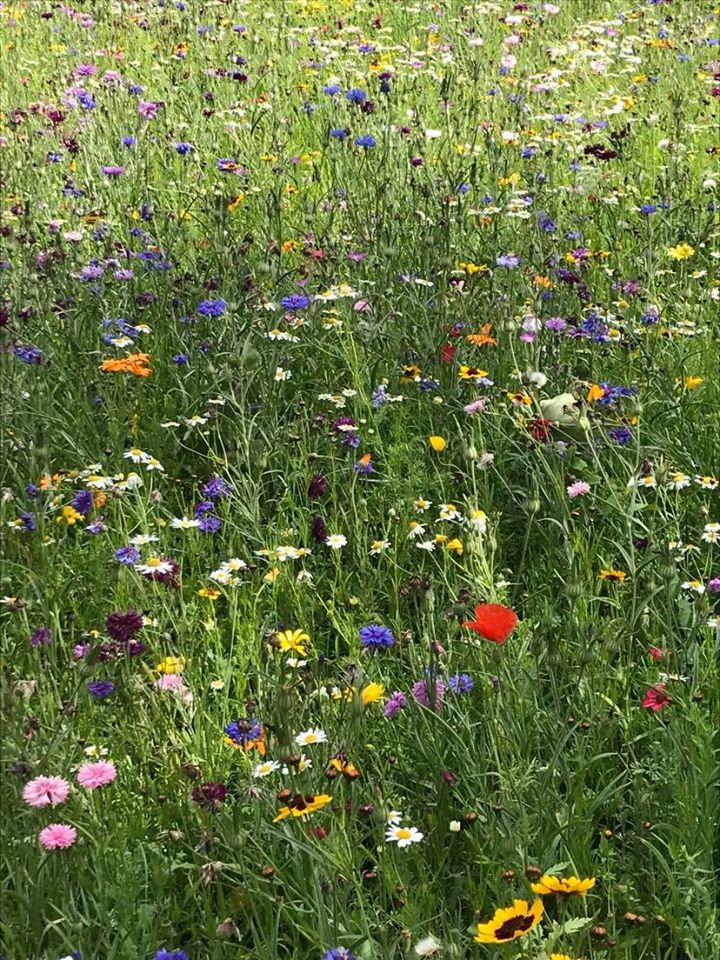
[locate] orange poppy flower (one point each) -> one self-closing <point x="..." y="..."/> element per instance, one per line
<point x="493" y="622"/>
<point x="136" y="364"/>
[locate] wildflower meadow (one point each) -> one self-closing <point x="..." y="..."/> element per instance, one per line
<point x="360" y="510"/>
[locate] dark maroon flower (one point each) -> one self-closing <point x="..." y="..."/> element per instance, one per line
<point x="317" y="487"/>
<point x="123" y="625"/>
<point x="210" y="796"/>
<point x="317" y="529"/>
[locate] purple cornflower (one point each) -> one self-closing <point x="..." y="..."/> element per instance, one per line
<point x="461" y="683"/>
<point x="424" y="694"/>
<point x="376" y="637"/>
<point x="356" y="95"/>
<point x="83" y="502"/>
<point x="113" y="171"/>
<point x="338" y="953"/>
<point x="363" y="466"/>
<point x="100" y="688"/>
<point x="380" y="396"/>
<point x="396" y="702"/>
<point x="96" y="527"/>
<point x="205" y="506"/>
<point x="621" y="435"/>
<point x="28" y="353"/>
<point x="128" y="556"/>
<point x="714" y="585"/>
<point x="41" y="637"/>
<point x="212" y="308"/>
<point x="508" y="260"/>
<point x="122" y="625"/>
<point x="210" y="796"/>
<point x="165" y="954"/>
<point x="28" y="522"/>
<point x="183" y="148"/>
<point x="210" y="524"/>
<point x="216" y="487"/>
<point x="556" y="324"/>
<point x="180" y="359"/>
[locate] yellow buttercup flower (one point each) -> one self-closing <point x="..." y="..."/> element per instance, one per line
<point x="372" y="693"/>
<point x="437" y="443"/>
<point x="70" y="516"/>
<point x="172" y="665"/>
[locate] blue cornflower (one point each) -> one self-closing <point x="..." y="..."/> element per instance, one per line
<point x="528" y="153"/>
<point x="546" y="224"/>
<point x="83" y="502"/>
<point x="32" y="490"/>
<point x="331" y="88"/>
<point x="243" y="732"/>
<point x="648" y="208"/>
<point x="367" y="141"/>
<point x="338" y="953"/>
<point x="128" y="556"/>
<point x="165" y="954"/>
<point x="180" y="359"/>
<point x="356" y="95"/>
<point x="621" y="435"/>
<point x="128" y="141"/>
<point x="183" y="148"/>
<point x="100" y="688"/>
<point x="379" y="397"/>
<point x="205" y="506"/>
<point x="508" y="260"/>
<point x="461" y="683"/>
<point x="212" y="308"/>
<point x="376" y="637"/>
<point x="339" y="133"/>
<point x="28" y="353"/>
<point x="295" y="301"/>
<point x="96" y="527"/>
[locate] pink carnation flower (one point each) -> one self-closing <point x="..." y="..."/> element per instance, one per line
<point x="96" y="774"/>
<point x="46" y="791"/>
<point x="57" y="836"/>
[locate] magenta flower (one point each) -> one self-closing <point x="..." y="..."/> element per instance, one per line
<point x="656" y="698"/>
<point x="148" y="109"/>
<point x="57" y="836"/>
<point x="394" y="704"/>
<point x="422" y="693"/>
<point x="96" y="774"/>
<point x="46" y="791"/>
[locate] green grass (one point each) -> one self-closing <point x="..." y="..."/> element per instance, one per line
<point x="551" y="761"/>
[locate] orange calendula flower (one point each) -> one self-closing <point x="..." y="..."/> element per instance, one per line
<point x="566" y="886"/>
<point x="596" y="392"/>
<point x="301" y="806"/>
<point x="509" y="923"/>
<point x="483" y="338"/>
<point x="135" y="363"/>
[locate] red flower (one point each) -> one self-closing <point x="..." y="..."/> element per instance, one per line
<point x="447" y="353"/>
<point x="656" y="698"/>
<point x="493" y="621"/>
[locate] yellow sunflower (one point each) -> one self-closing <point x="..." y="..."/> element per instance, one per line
<point x="509" y="923"/>
<point x="567" y="886"/>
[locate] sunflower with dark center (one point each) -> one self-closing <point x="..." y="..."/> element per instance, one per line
<point x="509" y="923"/>
<point x="564" y="886"/>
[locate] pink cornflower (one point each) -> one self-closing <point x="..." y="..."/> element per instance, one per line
<point x="656" y="698"/>
<point x="476" y="406"/>
<point x="578" y="489"/>
<point x="96" y="774"/>
<point x="57" y="836"/>
<point x="148" y="109"/>
<point x="46" y="791"/>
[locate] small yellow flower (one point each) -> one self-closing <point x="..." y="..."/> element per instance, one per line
<point x="437" y="443"/>
<point x="70" y="516"/>
<point x="293" y="640"/>
<point x="616" y="575"/>
<point x="691" y="383"/>
<point x="172" y="665"/>
<point x="456" y="546"/>
<point x="372" y="693"/>
<point x="272" y="575"/>
<point x="566" y="886"/>
<point x="209" y="593"/>
<point x="683" y="251"/>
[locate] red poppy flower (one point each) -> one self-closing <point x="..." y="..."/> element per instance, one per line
<point x="493" y="621"/>
<point x="656" y="698"/>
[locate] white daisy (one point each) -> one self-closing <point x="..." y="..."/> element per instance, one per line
<point x="154" y="565"/>
<point x="266" y="768"/>
<point x="184" y="523"/>
<point x="309" y="737"/>
<point x="336" y="541"/>
<point x="403" y="836"/>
